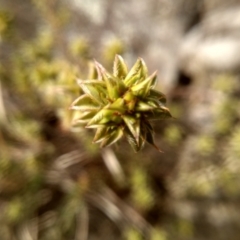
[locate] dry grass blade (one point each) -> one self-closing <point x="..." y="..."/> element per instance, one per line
<point x="29" y="230"/>
<point x="2" y="108"/>
<point x="118" y="211"/>
<point x="113" y="165"/>
<point x="82" y="229"/>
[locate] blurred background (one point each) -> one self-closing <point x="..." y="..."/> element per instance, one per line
<point x="56" y="185"/>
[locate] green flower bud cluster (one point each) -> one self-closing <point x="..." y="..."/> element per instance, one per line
<point x="120" y="104"/>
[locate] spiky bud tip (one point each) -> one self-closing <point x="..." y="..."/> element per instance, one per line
<point x="121" y="104"/>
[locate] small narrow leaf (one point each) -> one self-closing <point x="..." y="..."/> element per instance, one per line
<point x="111" y="84"/>
<point x="93" y="88"/>
<point x="119" y="67"/>
<point x="112" y="138"/>
<point x="144" y="70"/>
<point x="130" y="100"/>
<point x="100" y="69"/>
<point x="83" y="118"/>
<point x="137" y="146"/>
<point x="133" y="125"/>
<point x="157" y="95"/>
<point x="150" y="139"/>
<point x="102" y="117"/>
<point x="143" y="107"/>
<point x="101" y="134"/>
<point x="92" y="73"/>
<point x="86" y="116"/>
<point x="116" y="84"/>
<point x="147" y="125"/>
<point x="134" y="72"/>
<point x="84" y="103"/>
<point x="153" y="102"/>
<point x="118" y="105"/>
<point x="135" y="79"/>
<point x="141" y="89"/>
<point x="159" y="114"/>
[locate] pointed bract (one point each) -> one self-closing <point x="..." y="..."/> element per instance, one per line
<point x="84" y="103"/>
<point x="143" y="107"/>
<point x="134" y="72"/>
<point x="112" y="138"/>
<point x="100" y="134"/>
<point x="133" y="125"/>
<point x="159" y="114"/>
<point x="120" y="69"/>
<point x="92" y="73"/>
<point x="141" y="89"/>
<point x="93" y="88"/>
<point x="144" y="70"/>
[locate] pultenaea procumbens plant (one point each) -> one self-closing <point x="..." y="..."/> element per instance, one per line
<point x="120" y="104"/>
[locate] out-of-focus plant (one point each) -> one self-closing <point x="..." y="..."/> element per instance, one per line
<point x="6" y="22"/>
<point x="142" y="197"/>
<point x="80" y="48"/>
<point x="111" y="49"/>
<point x="173" y="135"/>
<point x="122" y="103"/>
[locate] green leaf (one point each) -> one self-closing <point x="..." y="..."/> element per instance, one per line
<point x="149" y="137"/>
<point x="142" y="89"/>
<point x="92" y="74"/>
<point x="112" y="138"/>
<point x="115" y="86"/>
<point x="134" y="74"/>
<point x="94" y="88"/>
<point x="137" y="146"/>
<point x="101" y="133"/>
<point x="112" y="86"/>
<point x="143" y="107"/>
<point x="159" y="114"/>
<point x="84" y="103"/>
<point x="84" y="118"/>
<point x="157" y="95"/>
<point x="102" y="117"/>
<point x="146" y="124"/>
<point x="118" y="105"/>
<point x="120" y="69"/>
<point x="153" y="102"/>
<point x="133" y="125"/>
<point x="144" y="70"/>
